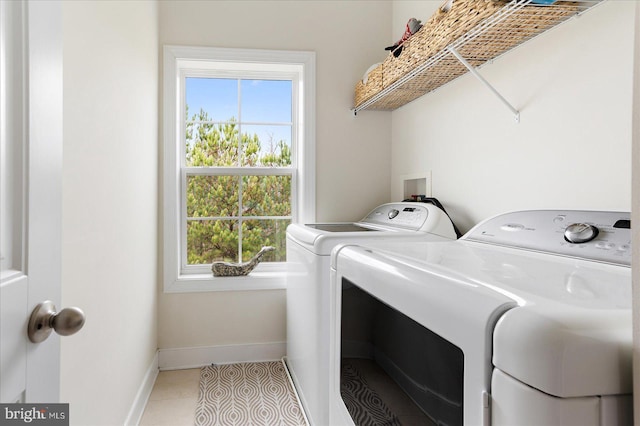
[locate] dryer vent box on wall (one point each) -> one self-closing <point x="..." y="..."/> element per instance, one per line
<point x="419" y="184"/>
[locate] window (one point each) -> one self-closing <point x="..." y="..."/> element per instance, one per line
<point x="238" y="161"/>
<point x="238" y="169"/>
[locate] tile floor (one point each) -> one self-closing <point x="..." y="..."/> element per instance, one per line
<point x="173" y="399"/>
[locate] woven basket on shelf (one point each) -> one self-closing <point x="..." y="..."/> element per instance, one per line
<point x="445" y="27"/>
<point x="373" y="86"/>
<point x="439" y="31"/>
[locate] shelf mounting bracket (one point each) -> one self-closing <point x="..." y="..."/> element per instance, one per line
<point x="477" y="75"/>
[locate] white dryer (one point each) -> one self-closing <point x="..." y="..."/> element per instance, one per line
<point x="308" y="257"/>
<point x="526" y="320"/>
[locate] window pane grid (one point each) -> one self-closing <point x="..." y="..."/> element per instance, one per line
<point x="238" y="175"/>
<point x="234" y="239"/>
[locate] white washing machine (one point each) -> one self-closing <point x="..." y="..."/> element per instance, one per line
<point x="308" y="257"/>
<point x="526" y="320"/>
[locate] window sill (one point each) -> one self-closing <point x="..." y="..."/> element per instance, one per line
<point x="206" y="282"/>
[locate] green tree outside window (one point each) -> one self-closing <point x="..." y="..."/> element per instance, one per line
<point x="227" y="214"/>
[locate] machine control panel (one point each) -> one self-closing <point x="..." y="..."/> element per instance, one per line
<point x="398" y="215"/>
<point x="593" y="235"/>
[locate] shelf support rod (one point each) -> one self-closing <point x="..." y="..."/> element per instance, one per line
<point x="477" y="75"/>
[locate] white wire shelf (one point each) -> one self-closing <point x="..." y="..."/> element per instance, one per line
<point x="512" y="25"/>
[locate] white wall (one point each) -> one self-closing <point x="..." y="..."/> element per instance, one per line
<point x="572" y="147"/>
<point x="352" y="154"/>
<point x="635" y="218"/>
<point x="110" y="204"/>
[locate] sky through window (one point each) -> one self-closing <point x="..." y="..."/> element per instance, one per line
<point x="266" y="108"/>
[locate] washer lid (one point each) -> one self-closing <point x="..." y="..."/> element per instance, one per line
<point x="321" y="241"/>
<point x="340" y="227"/>
<point x="529" y="277"/>
<point x="401" y="221"/>
<point x="322" y="237"/>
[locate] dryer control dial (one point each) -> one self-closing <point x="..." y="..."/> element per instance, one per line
<point x="393" y="213"/>
<point x="580" y="233"/>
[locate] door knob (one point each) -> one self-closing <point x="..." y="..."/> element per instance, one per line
<point x="44" y="318"/>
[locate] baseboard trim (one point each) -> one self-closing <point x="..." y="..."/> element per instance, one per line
<point x="182" y="358"/>
<point x="144" y="391"/>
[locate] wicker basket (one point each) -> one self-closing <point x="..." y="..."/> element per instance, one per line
<point x="374" y="84"/>
<point x="438" y="32"/>
<point x="443" y="29"/>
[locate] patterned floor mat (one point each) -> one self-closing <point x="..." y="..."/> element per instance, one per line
<point x="248" y="394"/>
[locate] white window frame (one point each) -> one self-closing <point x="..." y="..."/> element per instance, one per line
<point x="181" y="62"/>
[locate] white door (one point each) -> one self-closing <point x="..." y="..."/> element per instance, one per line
<point x="31" y="194"/>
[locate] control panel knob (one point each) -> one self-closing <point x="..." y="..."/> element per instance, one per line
<point x="393" y="213"/>
<point x="580" y="233"/>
